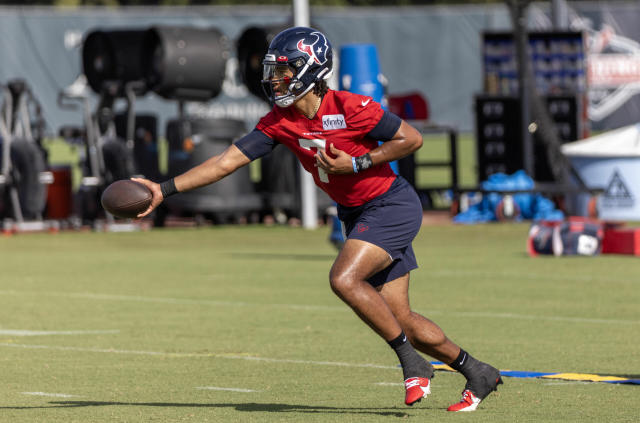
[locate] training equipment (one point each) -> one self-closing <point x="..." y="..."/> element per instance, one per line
<point x="307" y="52"/>
<point x="575" y="236"/>
<point x="107" y="157"/>
<point x="484" y="381"/>
<point x="126" y="198"/>
<point x="417" y="388"/>
<point x="23" y="162"/>
<point x="620" y="240"/>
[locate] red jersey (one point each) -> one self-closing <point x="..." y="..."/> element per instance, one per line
<point x="344" y="120"/>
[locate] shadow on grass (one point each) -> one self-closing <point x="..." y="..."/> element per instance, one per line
<point x="247" y="407"/>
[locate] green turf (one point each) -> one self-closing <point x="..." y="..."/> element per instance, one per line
<point x="436" y="149"/>
<point x="191" y="307"/>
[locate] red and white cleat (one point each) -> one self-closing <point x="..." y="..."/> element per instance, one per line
<point x="417" y="388"/>
<point x="485" y="380"/>
<point x="469" y="402"/>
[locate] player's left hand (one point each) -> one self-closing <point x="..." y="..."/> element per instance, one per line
<point x="341" y="164"/>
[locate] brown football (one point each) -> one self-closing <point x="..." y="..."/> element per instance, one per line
<point x="126" y="198"/>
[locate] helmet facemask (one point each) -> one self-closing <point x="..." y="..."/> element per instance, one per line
<point x="301" y="82"/>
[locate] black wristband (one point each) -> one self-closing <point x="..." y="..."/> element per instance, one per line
<point x="168" y="188"/>
<point x="363" y="162"/>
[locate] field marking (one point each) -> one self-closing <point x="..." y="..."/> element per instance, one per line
<point x="169" y="300"/>
<point x="218" y="388"/>
<point x="187" y="301"/>
<point x="583" y="378"/>
<point x="575" y="382"/>
<point x="20" y="332"/>
<point x="534" y="317"/>
<point x="48" y="394"/>
<point x="530" y="276"/>
<point x="196" y="355"/>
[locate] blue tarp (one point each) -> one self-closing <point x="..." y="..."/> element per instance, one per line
<point x="528" y="206"/>
<point x="583" y="377"/>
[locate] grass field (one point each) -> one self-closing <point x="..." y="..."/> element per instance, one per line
<point x="238" y="324"/>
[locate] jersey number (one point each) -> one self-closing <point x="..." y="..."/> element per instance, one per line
<point x="320" y="145"/>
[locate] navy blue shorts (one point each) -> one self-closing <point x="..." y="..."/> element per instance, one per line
<point x="391" y="221"/>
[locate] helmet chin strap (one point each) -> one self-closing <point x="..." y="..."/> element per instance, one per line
<point x="289" y="99"/>
<point x="286" y="101"/>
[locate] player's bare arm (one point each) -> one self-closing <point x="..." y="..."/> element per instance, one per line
<point x="406" y="140"/>
<point x="208" y="172"/>
<point x="212" y="170"/>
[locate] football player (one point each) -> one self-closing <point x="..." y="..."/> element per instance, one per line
<point x="335" y="136"/>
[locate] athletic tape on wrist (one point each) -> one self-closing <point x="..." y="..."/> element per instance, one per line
<point x="363" y="162"/>
<point x="355" y="167"/>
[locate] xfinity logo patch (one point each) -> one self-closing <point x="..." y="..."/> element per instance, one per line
<point x="330" y="122"/>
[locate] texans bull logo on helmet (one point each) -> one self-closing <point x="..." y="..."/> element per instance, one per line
<point x="316" y="49"/>
<point x="309" y="55"/>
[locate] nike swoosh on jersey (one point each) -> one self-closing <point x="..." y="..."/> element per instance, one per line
<point x="364" y="103"/>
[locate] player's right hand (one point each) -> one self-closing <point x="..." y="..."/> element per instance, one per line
<point x="155" y="191"/>
<point x="340" y="163"/>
